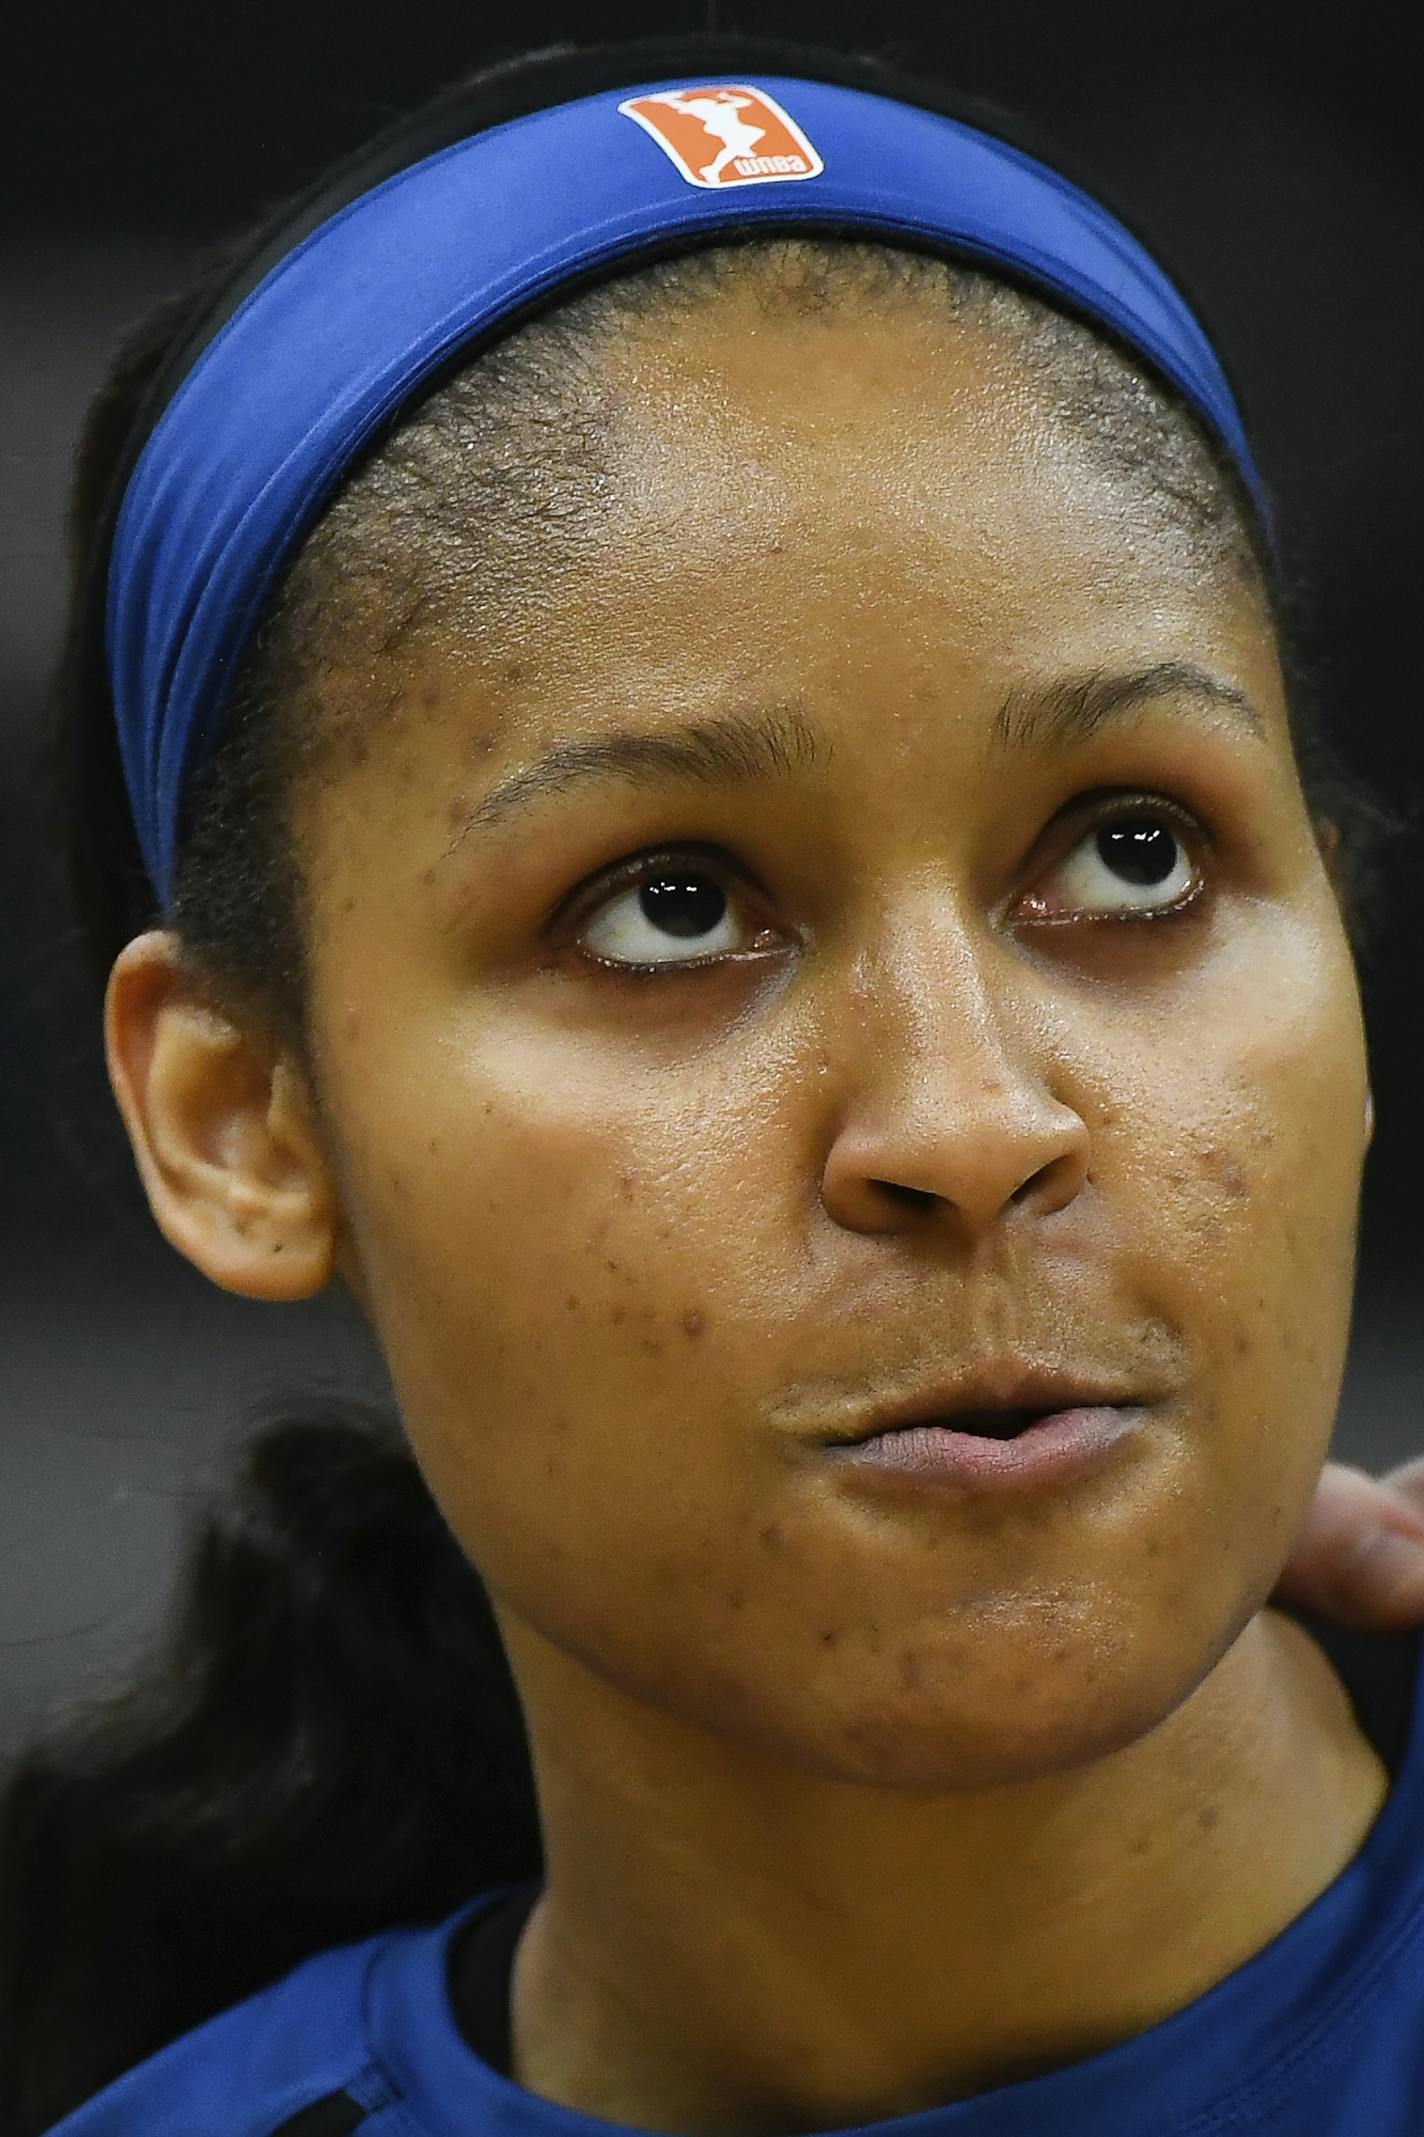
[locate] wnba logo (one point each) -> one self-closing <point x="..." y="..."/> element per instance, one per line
<point x="728" y="135"/>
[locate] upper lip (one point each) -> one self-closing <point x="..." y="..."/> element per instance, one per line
<point x="1010" y="1385"/>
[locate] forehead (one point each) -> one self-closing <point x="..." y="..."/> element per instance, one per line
<point x="880" y="515"/>
<point x="813" y="481"/>
<point x="816" y="361"/>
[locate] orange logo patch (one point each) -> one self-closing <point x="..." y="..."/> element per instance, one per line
<point x="727" y="135"/>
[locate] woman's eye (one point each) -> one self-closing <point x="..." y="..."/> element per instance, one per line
<point x="674" y="911"/>
<point x="1136" y="861"/>
<point x="677" y="910"/>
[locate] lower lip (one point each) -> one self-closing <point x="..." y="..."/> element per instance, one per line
<point x="1055" y="1450"/>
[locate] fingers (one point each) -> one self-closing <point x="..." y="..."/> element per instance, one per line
<point x="1358" y="1556"/>
<point x="1408" y="1478"/>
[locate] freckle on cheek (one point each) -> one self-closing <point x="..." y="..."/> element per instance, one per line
<point x="1223" y="1169"/>
<point x="771" y="1536"/>
<point x="692" y="1323"/>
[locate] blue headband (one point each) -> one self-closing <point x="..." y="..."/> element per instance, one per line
<point x="384" y="293"/>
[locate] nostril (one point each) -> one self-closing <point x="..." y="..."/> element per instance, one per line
<point x="1026" y="1187"/>
<point x="911" y="1197"/>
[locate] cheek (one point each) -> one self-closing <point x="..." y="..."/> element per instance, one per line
<point x="1245" y="1179"/>
<point x="562" y="1294"/>
<point x="579" y="1314"/>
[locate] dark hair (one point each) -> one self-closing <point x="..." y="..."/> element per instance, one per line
<point x="327" y="1741"/>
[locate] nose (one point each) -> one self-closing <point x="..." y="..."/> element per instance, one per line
<point x="942" y="1097"/>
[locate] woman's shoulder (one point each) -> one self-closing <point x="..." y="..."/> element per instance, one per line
<point x="293" y="2060"/>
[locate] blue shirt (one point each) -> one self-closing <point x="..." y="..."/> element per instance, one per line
<point x="1321" y="2032"/>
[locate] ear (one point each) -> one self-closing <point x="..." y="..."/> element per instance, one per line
<point x="223" y="1131"/>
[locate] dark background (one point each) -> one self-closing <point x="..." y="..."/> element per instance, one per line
<point x="1270" y="155"/>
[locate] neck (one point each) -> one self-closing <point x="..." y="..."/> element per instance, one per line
<point x="747" y="1963"/>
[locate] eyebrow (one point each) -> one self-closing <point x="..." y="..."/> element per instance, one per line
<point x="775" y="740"/>
<point x="1070" y="710"/>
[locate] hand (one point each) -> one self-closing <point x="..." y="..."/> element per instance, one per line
<point x="1359" y="1554"/>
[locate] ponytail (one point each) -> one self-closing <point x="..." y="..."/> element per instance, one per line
<point x="326" y="1741"/>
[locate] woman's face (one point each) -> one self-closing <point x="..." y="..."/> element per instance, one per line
<point x="917" y="1085"/>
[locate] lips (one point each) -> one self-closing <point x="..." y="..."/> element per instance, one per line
<point x="984" y="1424"/>
<point x="998" y="1404"/>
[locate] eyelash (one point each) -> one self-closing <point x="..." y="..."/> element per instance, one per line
<point x="1192" y="835"/>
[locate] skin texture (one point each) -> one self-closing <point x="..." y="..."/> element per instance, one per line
<point x="855" y="1801"/>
